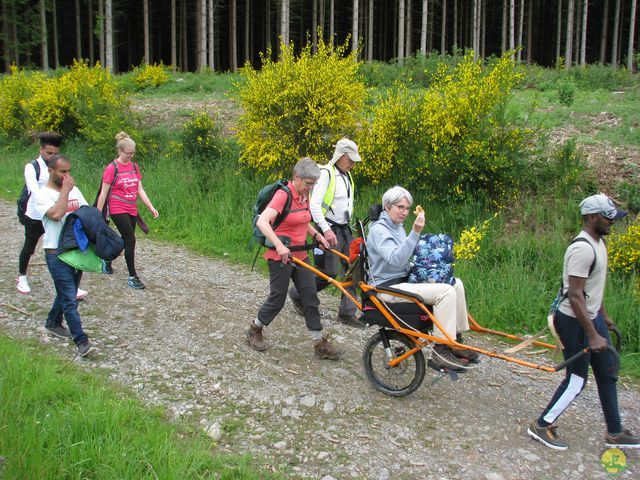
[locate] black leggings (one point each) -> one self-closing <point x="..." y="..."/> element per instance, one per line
<point x="126" y="225"/>
<point x="33" y="230"/>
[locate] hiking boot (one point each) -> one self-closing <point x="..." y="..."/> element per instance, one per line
<point x="443" y="358"/>
<point x="465" y="354"/>
<point x="254" y="336"/>
<point x="80" y="294"/>
<point x="324" y="349"/>
<point x="84" y="348"/>
<point x="22" y="285"/>
<point x="134" y="282"/>
<point x="59" y="331"/>
<point x="107" y="268"/>
<point x="297" y="304"/>
<point x="351" y="320"/>
<point x="546" y="436"/>
<point x="470" y="355"/>
<point x="624" y="439"/>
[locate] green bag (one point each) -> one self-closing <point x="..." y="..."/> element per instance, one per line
<point x="86" y="261"/>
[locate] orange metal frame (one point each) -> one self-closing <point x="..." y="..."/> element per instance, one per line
<point x="422" y="339"/>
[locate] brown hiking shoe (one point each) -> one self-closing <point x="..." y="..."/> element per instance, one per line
<point x="254" y="336"/>
<point x="324" y="349"/>
<point x="351" y="320"/>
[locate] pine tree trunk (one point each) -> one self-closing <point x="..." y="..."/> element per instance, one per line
<point x="603" y="32"/>
<point x="108" y="35"/>
<point x="56" y="46"/>
<point x="614" y="35"/>
<point x="483" y="29"/>
<point x="184" y="61"/>
<point x="423" y="27"/>
<point x="247" y="31"/>
<point x="354" y="25"/>
<point x="314" y="26"/>
<point x="370" y="32"/>
<point x="78" y="30"/>
<point x="408" y="30"/>
<point x="91" y="52"/>
<point x="44" y="42"/>
<point x="443" y="29"/>
<point x="101" y="33"/>
<point x="505" y="11"/>
<point x="145" y="29"/>
<point x="520" y="29"/>
<point x="211" y="37"/>
<point x="632" y="32"/>
<point x="6" y="49"/>
<point x="267" y="27"/>
<point x="529" y="31"/>
<point x="456" y="38"/>
<point x="583" y="40"/>
<point x="576" y="32"/>
<point x="284" y="22"/>
<point x="233" y="27"/>
<point x="401" y="21"/>
<point x="559" y="30"/>
<point x="568" y="47"/>
<point x="174" y="45"/>
<point x="512" y="27"/>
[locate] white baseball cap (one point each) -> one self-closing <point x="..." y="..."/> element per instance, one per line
<point x="347" y="146"/>
<point x="601" y="204"/>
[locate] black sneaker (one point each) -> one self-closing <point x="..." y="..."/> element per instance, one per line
<point x="107" y="268"/>
<point x="59" y="331"/>
<point x="624" y="439"/>
<point x="134" y="282"/>
<point x="297" y="304"/>
<point x="546" y="436"/>
<point x="84" y="348"/>
<point x="443" y="359"/>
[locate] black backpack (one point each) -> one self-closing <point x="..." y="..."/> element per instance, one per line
<point x="23" y="198"/>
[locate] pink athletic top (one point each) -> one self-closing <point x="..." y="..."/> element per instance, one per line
<point x="295" y="223"/>
<point x="124" y="193"/>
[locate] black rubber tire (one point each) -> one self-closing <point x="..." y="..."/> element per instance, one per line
<point x="401" y="380"/>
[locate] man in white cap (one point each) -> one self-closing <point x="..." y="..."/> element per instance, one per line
<point x="331" y="208"/>
<point x="582" y="321"/>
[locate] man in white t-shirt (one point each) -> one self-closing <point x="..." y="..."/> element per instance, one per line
<point x="35" y="179"/>
<point x="581" y="322"/>
<point x="54" y="202"/>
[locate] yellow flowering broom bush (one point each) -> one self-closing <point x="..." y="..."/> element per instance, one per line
<point x="201" y="138"/>
<point x="85" y="102"/>
<point x="624" y="252"/>
<point x="150" y="76"/>
<point x="298" y="106"/>
<point x="454" y="141"/>
<point x="468" y="246"/>
<point x="15" y="88"/>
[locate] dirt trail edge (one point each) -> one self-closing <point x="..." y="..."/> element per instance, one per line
<point x="181" y="344"/>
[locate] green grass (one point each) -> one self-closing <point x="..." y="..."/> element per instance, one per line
<point x="56" y="421"/>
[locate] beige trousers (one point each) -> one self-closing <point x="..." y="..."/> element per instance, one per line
<point x="449" y="303"/>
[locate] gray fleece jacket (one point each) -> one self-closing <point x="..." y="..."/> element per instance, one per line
<point x="390" y="250"/>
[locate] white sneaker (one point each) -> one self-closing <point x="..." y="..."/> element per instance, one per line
<point x="81" y="294"/>
<point x="22" y="285"/>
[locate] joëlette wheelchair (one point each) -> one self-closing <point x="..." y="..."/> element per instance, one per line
<point x="394" y="357"/>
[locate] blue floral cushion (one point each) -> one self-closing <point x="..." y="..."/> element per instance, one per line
<point x="433" y="260"/>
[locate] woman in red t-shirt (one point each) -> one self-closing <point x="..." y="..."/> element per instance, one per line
<point x="296" y="226"/>
<point x="121" y="187"/>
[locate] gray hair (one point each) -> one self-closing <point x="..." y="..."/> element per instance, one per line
<point x="306" y="168"/>
<point x="394" y="195"/>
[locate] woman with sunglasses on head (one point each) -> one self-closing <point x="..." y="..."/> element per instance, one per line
<point x="121" y="187"/>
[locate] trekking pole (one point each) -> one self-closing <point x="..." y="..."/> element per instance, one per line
<point x="581" y="353"/>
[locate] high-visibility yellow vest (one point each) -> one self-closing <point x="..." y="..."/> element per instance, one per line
<point x="327" y="201"/>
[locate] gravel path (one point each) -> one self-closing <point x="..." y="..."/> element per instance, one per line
<point x="180" y="344"/>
